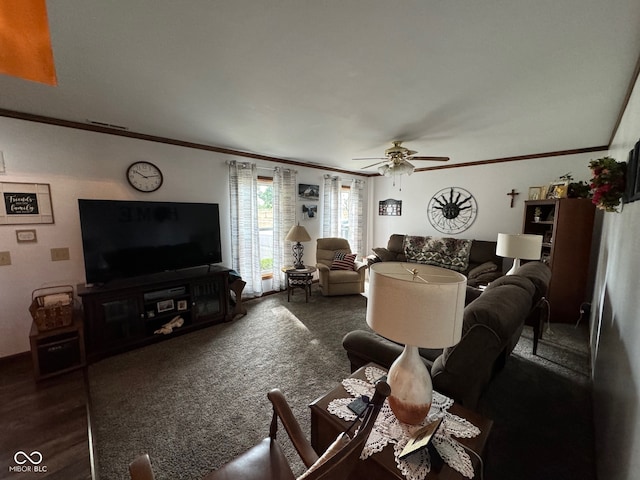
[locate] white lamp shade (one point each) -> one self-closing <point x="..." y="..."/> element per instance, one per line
<point x="422" y="309"/>
<point x="298" y="234"/>
<point x="522" y="246"/>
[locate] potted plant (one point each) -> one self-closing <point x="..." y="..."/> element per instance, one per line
<point x="537" y="213"/>
<point x="607" y="183"/>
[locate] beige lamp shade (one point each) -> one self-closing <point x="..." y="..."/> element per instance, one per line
<point x="415" y="304"/>
<point x="298" y="234"/>
<point x="522" y="246"/>
<point x="519" y="246"/>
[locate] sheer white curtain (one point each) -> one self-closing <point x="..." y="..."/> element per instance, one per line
<point x="245" y="234"/>
<point x="356" y="221"/>
<point x="284" y="217"/>
<point x="331" y="206"/>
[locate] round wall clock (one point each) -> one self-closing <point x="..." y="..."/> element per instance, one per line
<point x="144" y="176"/>
<point x="452" y="210"/>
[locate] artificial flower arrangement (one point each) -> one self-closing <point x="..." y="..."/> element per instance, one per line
<point x="607" y="183"/>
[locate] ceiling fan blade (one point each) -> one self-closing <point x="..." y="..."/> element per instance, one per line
<point x="369" y="158"/>
<point x="432" y="159"/>
<point x="373" y="164"/>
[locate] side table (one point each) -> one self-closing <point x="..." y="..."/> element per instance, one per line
<point x="298" y="278"/>
<point x="325" y="427"/>
<point x="57" y="351"/>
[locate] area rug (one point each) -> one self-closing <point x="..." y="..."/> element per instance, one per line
<point x="198" y="400"/>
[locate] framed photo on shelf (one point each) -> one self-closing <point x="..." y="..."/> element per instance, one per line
<point x="182" y="305"/>
<point x="165" y="305"/>
<point x="557" y="190"/>
<point x="25" y="203"/>
<point x="535" y="193"/>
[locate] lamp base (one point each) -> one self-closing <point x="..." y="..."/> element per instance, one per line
<point x="298" y="250"/>
<point x="516" y="266"/>
<point x="411" y="388"/>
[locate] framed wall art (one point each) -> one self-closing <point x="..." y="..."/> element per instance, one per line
<point x="25" y="203"/>
<point x="309" y="211"/>
<point x="390" y="207"/>
<point x="309" y="192"/>
<point x="26" y="236"/>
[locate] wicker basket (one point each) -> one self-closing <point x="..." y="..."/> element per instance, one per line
<point x="52" y="307"/>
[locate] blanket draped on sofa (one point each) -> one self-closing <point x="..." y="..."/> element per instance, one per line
<point x="451" y="253"/>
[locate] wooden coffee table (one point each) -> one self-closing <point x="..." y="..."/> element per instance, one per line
<point x="325" y="427"/>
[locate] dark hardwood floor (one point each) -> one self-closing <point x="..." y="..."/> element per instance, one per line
<point x="49" y="417"/>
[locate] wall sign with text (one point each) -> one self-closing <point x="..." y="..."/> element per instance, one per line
<point x="25" y="203"/>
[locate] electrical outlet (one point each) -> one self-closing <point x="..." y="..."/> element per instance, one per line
<point x="58" y="254"/>
<point x="5" y="258"/>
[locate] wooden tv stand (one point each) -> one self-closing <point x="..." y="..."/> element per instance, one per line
<point x="125" y="314"/>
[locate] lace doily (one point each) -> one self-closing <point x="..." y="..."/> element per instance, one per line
<point x="388" y="429"/>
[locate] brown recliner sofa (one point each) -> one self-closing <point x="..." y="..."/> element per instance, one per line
<point x="337" y="282"/>
<point x="492" y="323"/>
<point x="484" y="265"/>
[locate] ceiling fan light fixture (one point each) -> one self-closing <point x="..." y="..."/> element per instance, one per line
<point x="384" y="170"/>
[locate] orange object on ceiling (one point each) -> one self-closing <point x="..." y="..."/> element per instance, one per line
<point x="25" y="43"/>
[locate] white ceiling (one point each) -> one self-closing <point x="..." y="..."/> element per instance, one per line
<point x="325" y="81"/>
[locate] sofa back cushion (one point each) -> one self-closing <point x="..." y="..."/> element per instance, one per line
<point x="326" y="249"/>
<point x="451" y="253"/>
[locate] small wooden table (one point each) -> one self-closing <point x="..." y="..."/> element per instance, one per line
<point x="325" y="427"/>
<point x="58" y="350"/>
<point x="298" y="278"/>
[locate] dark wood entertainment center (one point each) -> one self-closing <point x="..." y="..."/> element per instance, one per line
<point x="124" y="314"/>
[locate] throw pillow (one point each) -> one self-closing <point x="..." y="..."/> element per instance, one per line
<point x="343" y="261"/>
<point x="340" y="442"/>
<point x="484" y="268"/>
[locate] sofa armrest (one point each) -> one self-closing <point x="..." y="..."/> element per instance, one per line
<point x="358" y="266"/>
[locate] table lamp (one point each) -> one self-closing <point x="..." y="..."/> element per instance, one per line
<point x="297" y="234"/>
<point x="419" y="306"/>
<point x="519" y="246"/>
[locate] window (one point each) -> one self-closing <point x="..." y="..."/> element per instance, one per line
<point x="345" y="196"/>
<point x="265" y="224"/>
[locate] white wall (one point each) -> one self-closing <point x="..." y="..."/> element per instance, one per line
<point x="616" y="325"/>
<point x="81" y="164"/>
<point x="488" y="183"/>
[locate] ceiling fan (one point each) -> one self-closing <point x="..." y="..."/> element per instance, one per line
<point x="397" y="159"/>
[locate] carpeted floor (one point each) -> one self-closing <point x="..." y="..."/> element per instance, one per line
<point x="198" y="400"/>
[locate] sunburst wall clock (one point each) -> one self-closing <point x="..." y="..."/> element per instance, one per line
<point x="452" y="210"/>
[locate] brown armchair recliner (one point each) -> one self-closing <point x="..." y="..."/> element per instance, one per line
<point x="337" y="282"/>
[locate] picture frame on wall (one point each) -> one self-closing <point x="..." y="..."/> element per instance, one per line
<point x="390" y="207"/>
<point x="309" y="211"/>
<point x="25" y="203"/>
<point x="309" y="192"/>
<point x="26" y="236"/>
<point x="636" y="173"/>
<point x="631" y="176"/>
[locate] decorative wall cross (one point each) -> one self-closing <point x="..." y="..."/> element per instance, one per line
<point x="512" y="194"/>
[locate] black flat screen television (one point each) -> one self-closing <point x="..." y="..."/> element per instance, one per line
<point x="124" y="239"/>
